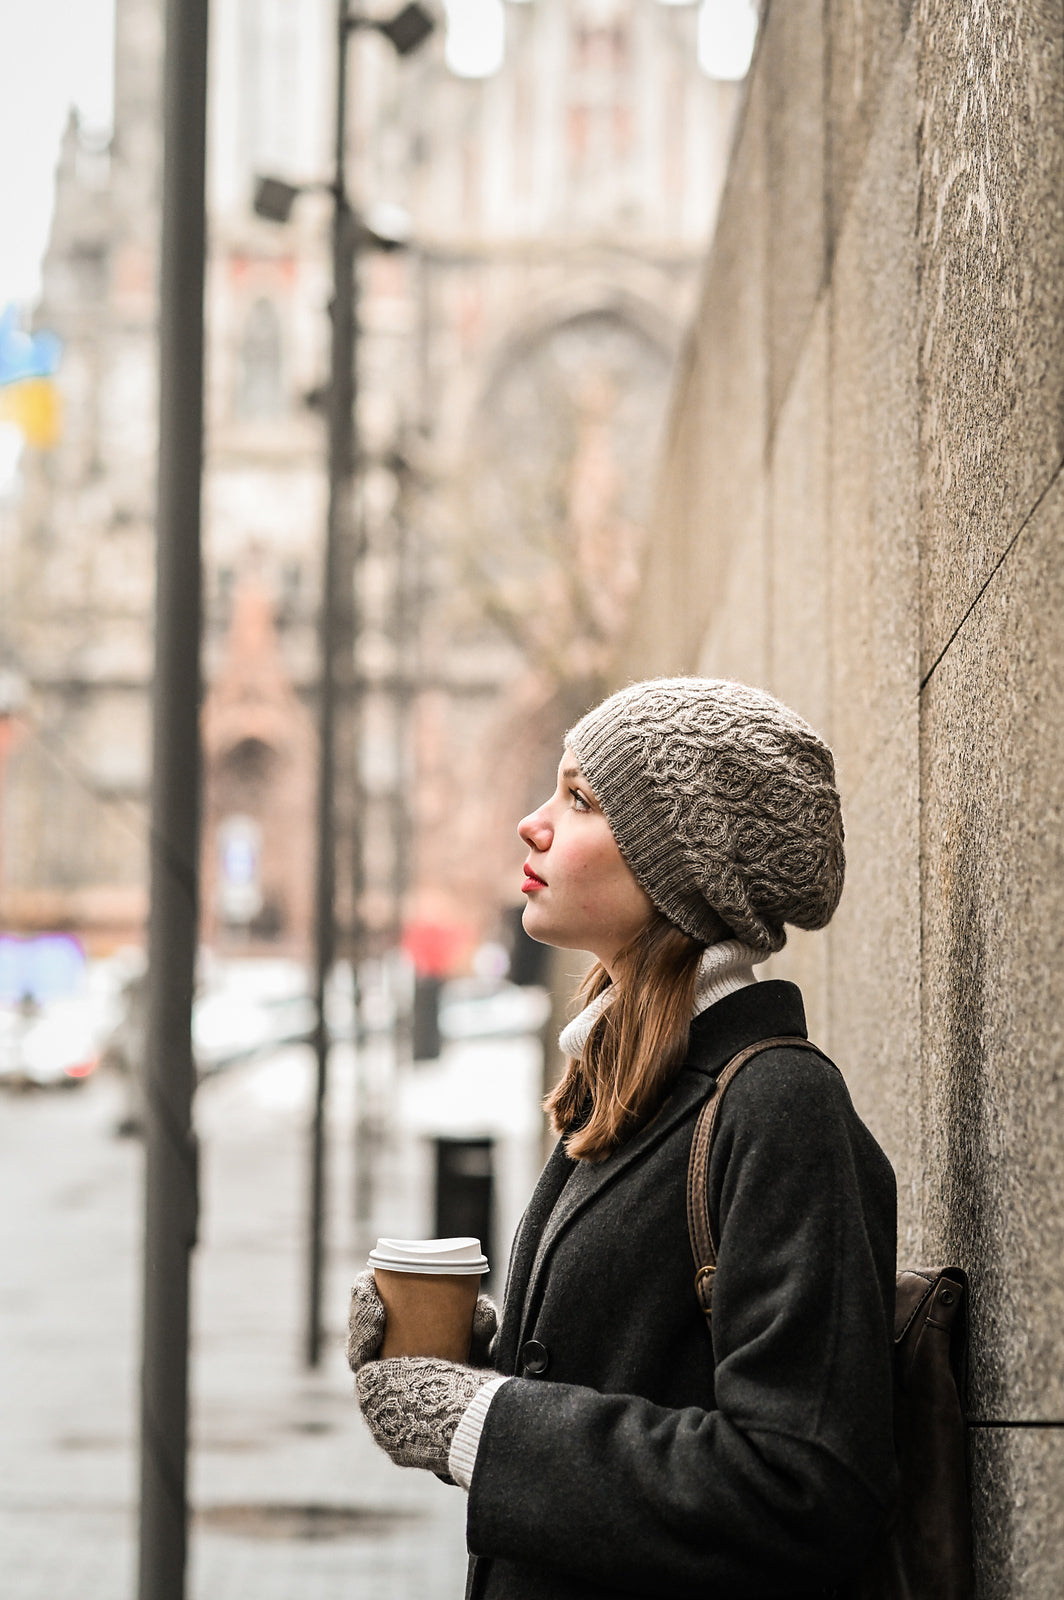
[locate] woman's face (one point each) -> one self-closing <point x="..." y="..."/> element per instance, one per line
<point x="580" y="893"/>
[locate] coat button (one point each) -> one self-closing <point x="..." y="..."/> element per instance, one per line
<point x="534" y="1358"/>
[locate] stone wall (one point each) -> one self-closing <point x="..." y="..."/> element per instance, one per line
<point x="861" y="509"/>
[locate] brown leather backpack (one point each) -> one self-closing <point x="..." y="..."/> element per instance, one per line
<point x="927" y="1554"/>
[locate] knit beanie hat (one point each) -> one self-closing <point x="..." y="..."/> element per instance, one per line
<point x="723" y="803"/>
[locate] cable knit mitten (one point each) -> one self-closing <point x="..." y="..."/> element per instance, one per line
<point x="413" y="1405"/>
<point x="366" y="1319"/>
<point x="485" y="1327"/>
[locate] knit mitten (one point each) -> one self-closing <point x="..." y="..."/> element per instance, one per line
<point x="485" y="1327"/>
<point x="413" y="1405"/>
<point x="366" y="1319"/>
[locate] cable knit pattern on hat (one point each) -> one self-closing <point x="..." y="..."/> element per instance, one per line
<point x="723" y="968"/>
<point x="723" y="803"/>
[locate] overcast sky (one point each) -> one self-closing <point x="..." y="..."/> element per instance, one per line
<point x="53" y="54"/>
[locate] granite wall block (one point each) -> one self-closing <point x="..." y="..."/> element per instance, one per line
<point x="1016" y="1478"/>
<point x="991" y="231"/>
<point x="723" y="578"/>
<point x="793" y="658"/>
<point x="874" y="962"/>
<point x="862" y="39"/>
<point x="710" y="498"/>
<point x="661" y="637"/>
<point x="874" y="440"/>
<point x="731" y="348"/>
<point x="735" y="641"/>
<point x="992" y="847"/>
<point x="798" y="615"/>
<point x="791" y="70"/>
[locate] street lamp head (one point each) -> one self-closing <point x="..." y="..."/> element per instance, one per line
<point x="408" y="29"/>
<point x="386" y="227"/>
<point x="274" y="199"/>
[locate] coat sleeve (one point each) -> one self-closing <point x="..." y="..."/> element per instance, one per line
<point x="783" y="1485"/>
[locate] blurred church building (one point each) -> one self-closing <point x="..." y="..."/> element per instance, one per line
<point x="515" y="358"/>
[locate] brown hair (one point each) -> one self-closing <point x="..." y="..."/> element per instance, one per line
<point x="626" y="1068"/>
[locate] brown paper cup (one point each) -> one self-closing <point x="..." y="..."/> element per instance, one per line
<point x="429" y="1314"/>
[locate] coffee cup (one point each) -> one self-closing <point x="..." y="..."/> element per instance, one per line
<point x="429" y="1289"/>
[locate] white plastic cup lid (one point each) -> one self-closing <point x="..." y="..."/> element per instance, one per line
<point x="455" y="1257"/>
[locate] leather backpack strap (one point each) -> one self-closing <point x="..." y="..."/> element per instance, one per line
<point x="703" y="1247"/>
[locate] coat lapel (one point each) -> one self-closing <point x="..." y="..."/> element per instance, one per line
<point x="553" y="1181"/>
<point x="590" y="1179"/>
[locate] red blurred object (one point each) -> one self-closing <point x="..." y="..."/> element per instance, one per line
<point x="83" y="1069"/>
<point x="437" y="948"/>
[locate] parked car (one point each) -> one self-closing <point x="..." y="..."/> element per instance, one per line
<point x="48" y="1044"/>
<point x="54" y="1010"/>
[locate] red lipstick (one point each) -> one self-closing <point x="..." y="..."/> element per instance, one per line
<point x="532" y="880"/>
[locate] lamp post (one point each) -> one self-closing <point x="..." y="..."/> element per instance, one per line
<point x="406" y="31"/>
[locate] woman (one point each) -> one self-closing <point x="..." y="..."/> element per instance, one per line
<point x="616" y="1446"/>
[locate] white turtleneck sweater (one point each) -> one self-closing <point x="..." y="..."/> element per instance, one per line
<point x="725" y="967"/>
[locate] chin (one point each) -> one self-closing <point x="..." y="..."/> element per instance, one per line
<point x="539" y="929"/>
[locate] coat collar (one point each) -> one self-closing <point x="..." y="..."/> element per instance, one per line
<point x="768" y="1010"/>
<point x="566" y="1187"/>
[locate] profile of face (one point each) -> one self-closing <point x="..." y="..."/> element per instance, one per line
<point x="580" y="893"/>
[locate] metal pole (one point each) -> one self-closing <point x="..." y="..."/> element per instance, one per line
<point x="334" y="605"/>
<point x="406" y="675"/>
<point x="171" y="1188"/>
<point x="361" y="1146"/>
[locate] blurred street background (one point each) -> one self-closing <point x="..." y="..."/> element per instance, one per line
<point x="548" y="344"/>
<point x="291" y="1495"/>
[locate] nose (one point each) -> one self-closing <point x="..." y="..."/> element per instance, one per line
<point x="535" y="829"/>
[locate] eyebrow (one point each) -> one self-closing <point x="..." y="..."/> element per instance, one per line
<point x="572" y="772"/>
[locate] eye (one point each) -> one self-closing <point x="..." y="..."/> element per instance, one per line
<point x="580" y="803"/>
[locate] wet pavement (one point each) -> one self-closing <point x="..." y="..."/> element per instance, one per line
<point x="290" y="1495"/>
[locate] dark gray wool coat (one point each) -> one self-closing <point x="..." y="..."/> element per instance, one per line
<point x="635" y="1455"/>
